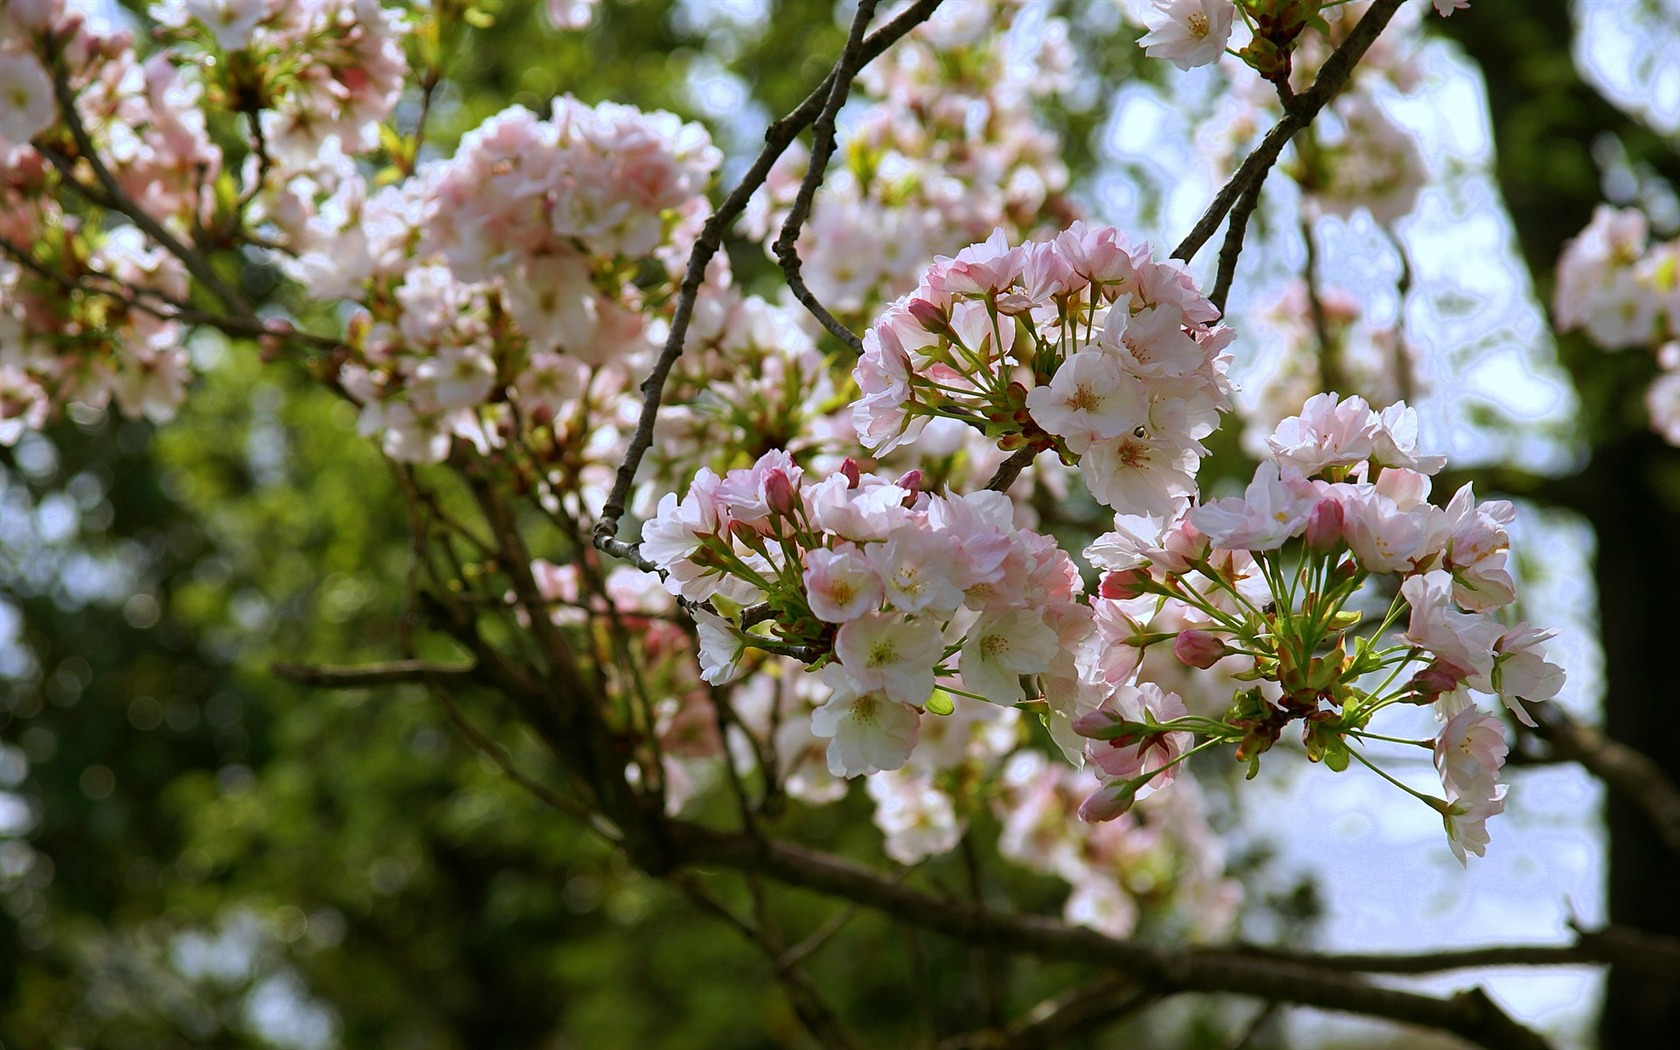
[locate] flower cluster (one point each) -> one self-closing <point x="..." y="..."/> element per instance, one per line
<point x="1622" y="291"/>
<point x="495" y="281"/>
<point x="332" y="69"/>
<point x="1276" y="578"/>
<point x="1084" y="344"/>
<point x="903" y="598"/>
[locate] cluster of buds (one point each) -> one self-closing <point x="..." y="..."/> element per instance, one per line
<point x="903" y="599"/>
<point x="1084" y="344"/>
<point x="1281" y="579"/>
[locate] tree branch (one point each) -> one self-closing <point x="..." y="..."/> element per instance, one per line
<point x="1330" y="80"/>
<point x="368" y="676"/>
<point x="1272" y="977"/>
<point x="777" y="137"/>
<point x="822" y="149"/>
<point x="1634" y="775"/>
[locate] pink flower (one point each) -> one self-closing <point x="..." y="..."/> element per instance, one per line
<point x="27" y="94"/>
<point x="1469" y="752"/>
<point x="1127" y="756"/>
<point x="987" y="267"/>
<point x="867" y="732"/>
<point x="1521" y="670"/>
<point x="1476" y="551"/>
<point x="916" y="565"/>
<point x="1328" y="433"/>
<point x="1198" y="649"/>
<point x="1000" y="648"/>
<point x="1151" y="342"/>
<point x="1090" y="398"/>
<point x="1466" y="640"/>
<point x="1274" y="508"/>
<point x="841" y="584"/>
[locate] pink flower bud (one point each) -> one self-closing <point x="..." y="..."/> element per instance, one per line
<point x="850" y="470"/>
<point x="779" y="494"/>
<point x="1127" y="583"/>
<point x="1109" y="801"/>
<point x="911" y="482"/>
<point x="1438" y="677"/>
<point x="1324" y="525"/>
<point x="1198" y="649"/>
<point x="929" y="316"/>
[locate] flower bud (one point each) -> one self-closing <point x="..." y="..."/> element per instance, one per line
<point x="1198" y="649"/>
<point x="849" y="469"/>
<point x="1324" y="525"/>
<point x="1438" y="677"/>
<point x="929" y="316"/>
<point x="911" y="480"/>
<point x="1109" y="801"/>
<point x="779" y="494"/>
<point x="1125" y="584"/>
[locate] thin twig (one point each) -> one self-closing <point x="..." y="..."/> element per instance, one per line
<point x="786" y="247"/>
<point x="807" y="1003"/>
<point x="195" y="261"/>
<point x="1011" y="468"/>
<point x="777" y="137"/>
<point x="1290" y="979"/>
<point x="1330" y="80"/>
<point x="1235" y="230"/>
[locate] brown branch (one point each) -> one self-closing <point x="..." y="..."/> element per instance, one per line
<point x="1011" y="468"/>
<point x="1232" y="248"/>
<point x="1332" y="76"/>
<point x="368" y="676"/>
<point x="822" y="150"/>
<point x="819" y="1020"/>
<point x="1290" y="980"/>
<point x="114" y="198"/>
<point x="777" y="137"/>
<point x="1103" y="1000"/>
<point x="1627" y="771"/>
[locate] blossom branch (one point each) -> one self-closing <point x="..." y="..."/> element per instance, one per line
<point x="111" y="195"/>
<point x="777" y="137"/>
<point x="1331" y="78"/>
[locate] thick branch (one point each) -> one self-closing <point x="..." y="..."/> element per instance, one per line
<point x="1292" y="980"/>
<point x="368" y="676"/>
<point x="1331" y="78"/>
<point x="1624" y="769"/>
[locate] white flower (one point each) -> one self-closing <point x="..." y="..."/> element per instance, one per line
<point x="866" y="732"/>
<point x="721" y="648"/>
<point x="881" y="652"/>
<point x="1188" y="33"/>
<point x="26" y="100"/>
<point x="1466" y="823"/>
<point x="1000" y="648"/>
<point x="1090" y="398"/>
